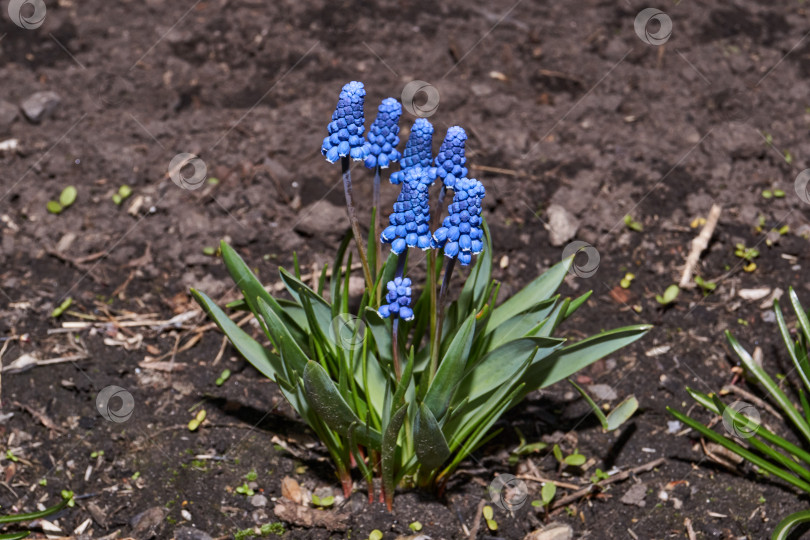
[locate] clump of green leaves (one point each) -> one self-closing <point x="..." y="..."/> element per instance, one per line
<point x="706" y="286"/>
<point x="751" y="440"/>
<point x="421" y="422"/>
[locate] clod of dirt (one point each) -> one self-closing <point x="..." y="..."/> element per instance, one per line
<point x="562" y="225"/>
<point x="552" y="531"/>
<point x="304" y="516"/>
<point x="635" y="495"/>
<point x="40" y="105"/>
<point x="8" y="114"/>
<point x="739" y="139"/>
<point x="321" y="219"/>
<point x="147" y="523"/>
<point x="190" y="533"/>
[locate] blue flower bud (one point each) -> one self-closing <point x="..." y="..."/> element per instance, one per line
<point x="347" y="126"/>
<point x="418" y="150"/>
<point x="460" y="234"/>
<point x="383" y="135"/>
<point x="398" y="298"/>
<point x="411" y="214"/>
<point x="449" y="162"/>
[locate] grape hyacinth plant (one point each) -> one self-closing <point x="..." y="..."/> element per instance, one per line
<point x="407" y="386"/>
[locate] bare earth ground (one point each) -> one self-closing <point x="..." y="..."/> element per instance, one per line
<point x="563" y="103"/>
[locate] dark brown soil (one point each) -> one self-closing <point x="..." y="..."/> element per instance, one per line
<point x="563" y="104"/>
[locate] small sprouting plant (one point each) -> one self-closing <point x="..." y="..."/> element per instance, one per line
<point x="627" y="280"/>
<point x="669" y="296"/>
<point x="706" y="286"/>
<point x="122" y="194"/>
<point x="66" y="198"/>
<point x="408" y="381"/>
<point x="747" y="437"/>
<point x="632" y="224"/>
<point x="195" y="422"/>
<point x="415" y="526"/>
<point x="489" y="518"/>
<point x="245" y="489"/>
<point x="323" y="502"/>
<point x="61" y="308"/>
<point x="224" y="376"/>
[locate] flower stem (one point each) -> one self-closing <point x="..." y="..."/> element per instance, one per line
<point x="347" y="189"/>
<point x="437" y="212"/>
<point x="377" y="230"/>
<point x="400" y="264"/>
<point x="434" y="357"/>
<point x="431" y="282"/>
<point x="395" y="349"/>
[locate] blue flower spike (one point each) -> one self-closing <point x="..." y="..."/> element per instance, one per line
<point x="383" y="135"/>
<point x="418" y="149"/>
<point x="409" y="223"/>
<point x="347" y="126"/>
<point x="399" y="300"/>
<point x="461" y="234"/>
<point x="449" y="162"/>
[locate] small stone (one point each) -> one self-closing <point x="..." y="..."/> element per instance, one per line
<point x="40" y="105"/>
<point x="8" y="114"/>
<point x="290" y="489"/>
<point x="635" y="495"/>
<point x="190" y="533"/>
<point x="185" y="514"/>
<point x="147" y="523"/>
<point x="258" y="501"/>
<point x="602" y="392"/>
<point x="552" y="531"/>
<point x="562" y="225"/>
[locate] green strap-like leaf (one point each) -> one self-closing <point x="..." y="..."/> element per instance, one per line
<point x="325" y="399"/>
<point x="502" y="364"/>
<point x="542" y="288"/>
<point x="782" y="531"/>
<point x="293" y="358"/>
<point x="740" y="451"/>
<point x="450" y="370"/>
<point x="568" y="360"/>
<point x="594" y="407"/>
<point x="266" y="362"/>
<point x="622" y="412"/>
<point x="389" y="451"/>
<point x="773" y="389"/>
<point x="429" y="442"/>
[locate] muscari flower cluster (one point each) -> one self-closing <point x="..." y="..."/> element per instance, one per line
<point x="383" y="135"/>
<point x="399" y="300"/>
<point x="449" y="162"/>
<point x="418" y="149"/>
<point x="461" y="235"/>
<point x="409" y="223"/>
<point x="347" y="126"/>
